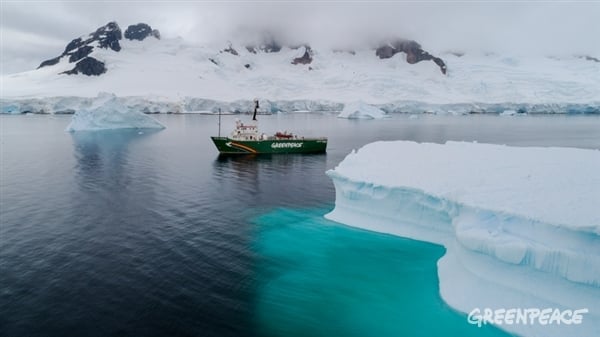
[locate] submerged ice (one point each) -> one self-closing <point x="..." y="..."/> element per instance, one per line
<point x="320" y="279"/>
<point x="106" y="112"/>
<point x="520" y="225"/>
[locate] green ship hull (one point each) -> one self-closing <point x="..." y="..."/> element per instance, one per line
<point x="226" y="145"/>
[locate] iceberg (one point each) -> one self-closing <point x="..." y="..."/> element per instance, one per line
<point x="106" y="112"/>
<point x="361" y="110"/>
<point x="520" y="225"/>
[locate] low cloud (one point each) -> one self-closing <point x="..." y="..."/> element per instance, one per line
<point x="34" y="31"/>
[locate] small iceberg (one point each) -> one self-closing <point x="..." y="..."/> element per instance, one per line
<point x="106" y="112"/>
<point x="508" y="113"/>
<point x="513" y="113"/>
<point x="362" y="110"/>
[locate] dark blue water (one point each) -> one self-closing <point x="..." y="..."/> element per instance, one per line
<point x="153" y="234"/>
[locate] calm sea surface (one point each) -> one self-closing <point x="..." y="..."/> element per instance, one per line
<point x="151" y="233"/>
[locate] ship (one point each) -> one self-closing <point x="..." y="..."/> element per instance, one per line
<point x="246" y="139"/>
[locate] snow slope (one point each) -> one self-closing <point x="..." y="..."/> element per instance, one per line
<point x="174" y="72"/>
<point x="521" y="225"/>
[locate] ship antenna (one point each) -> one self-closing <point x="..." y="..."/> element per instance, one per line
<point x="219" y="122"/>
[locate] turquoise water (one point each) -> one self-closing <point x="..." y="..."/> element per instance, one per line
<point x="320" y="278"/>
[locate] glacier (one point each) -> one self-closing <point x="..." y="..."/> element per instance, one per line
<point x="361" y="110"/>
<point x="179" y="77"/>
<point x="520" y="225"/>
<point x="155" y="104"/>
<point x="106" y="112"/>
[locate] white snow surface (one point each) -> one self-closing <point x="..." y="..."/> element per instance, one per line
<point x="106" y="113"/>
<point x="521" y="225"/>
<point x="175" y="73"/>
<point x="361" y="110"/>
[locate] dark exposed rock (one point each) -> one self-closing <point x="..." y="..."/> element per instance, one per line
<point x="251" y="49"/>
<point x="591" y="58"/>
<point x="50" y="62"/>
<point x="74" y="44"/>
<point x="349" y="51"/>
<point x="108" y="36"/>
<point x="87" y="66"/>
<point x="156" y="33"/>
<point x="80" y="53"/>
<point x="440" y="64"/>
<point x="414" y="53"/>
<point x="411" y="48"/>
<point x="385" y="52"/>
<point x="231" y="50"/>
<point x="407" y="46"/>
<point x="138" y="32"/>
<point x="213" y="61"/>
<point x="304" y="59"/>
<point x="247" y="66"/>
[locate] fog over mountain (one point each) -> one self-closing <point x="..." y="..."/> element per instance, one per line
<point x="32" y="31"/>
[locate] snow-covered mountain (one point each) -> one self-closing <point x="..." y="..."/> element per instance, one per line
<point x="155" y="74"/>
<point x="107" y="37"/>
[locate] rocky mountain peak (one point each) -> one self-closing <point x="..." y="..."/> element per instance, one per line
<point x="107" y="37"/>
<point x="140" y="32"/>
<point x="79" y="50"/>
<point x="412" y="49"/>
<point x="306" y="58"/>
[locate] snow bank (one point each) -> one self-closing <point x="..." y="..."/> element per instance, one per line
<point x="361" y="110"/>
<point x="106" y="112"/>
<point x="521" y="225"/>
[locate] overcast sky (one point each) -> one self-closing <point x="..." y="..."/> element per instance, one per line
<point x="33" y="31"/>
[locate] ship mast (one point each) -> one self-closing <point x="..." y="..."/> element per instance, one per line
<point x="219" y="122"/>
<point x="255" y="108"/>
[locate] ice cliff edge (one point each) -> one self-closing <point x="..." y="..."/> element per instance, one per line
<point x="520" y="225"/>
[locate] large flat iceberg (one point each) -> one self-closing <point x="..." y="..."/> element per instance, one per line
<point x="106" y="112"/>
<point x="521" y="225"/>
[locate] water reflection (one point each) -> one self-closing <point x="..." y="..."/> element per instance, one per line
<point x="103" y="157"/>
<point x="281" y="179"/>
